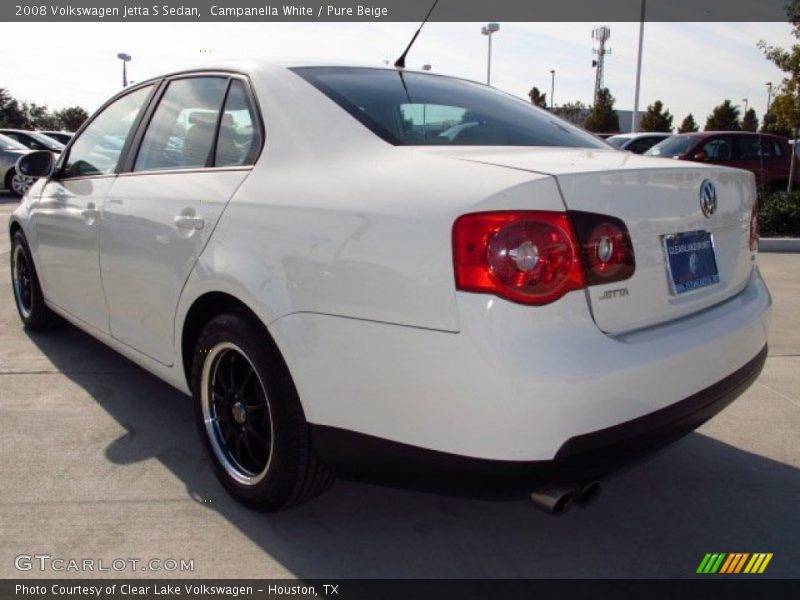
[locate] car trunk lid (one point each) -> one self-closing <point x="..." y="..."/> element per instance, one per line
<point x="656" y="199"/>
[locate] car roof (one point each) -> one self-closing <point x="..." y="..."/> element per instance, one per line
<point x="247" y="66"/>
<point x="639" y="134"/>
<point x="698" y="134"/>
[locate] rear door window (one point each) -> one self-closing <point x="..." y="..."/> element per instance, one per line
<point x="750" y="147"/>
<point x="771" y="148"/>
<point x="182" y="130"/>
<point x="640" y="145"/>
<point x="239" y="140"/>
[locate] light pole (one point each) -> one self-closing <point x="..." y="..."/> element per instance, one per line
<point x="488" y="30"/>
<point x="769" y="94"/>
<point x="552" y="87"/>
<point x="635" y="116"/>
<point x="745" y="105"/>
<point x="125" y="58"/>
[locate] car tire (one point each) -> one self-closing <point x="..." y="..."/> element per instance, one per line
<point x="250" y="419"/>
<point x="18" y="184"/>
<point x="28" y="297"/>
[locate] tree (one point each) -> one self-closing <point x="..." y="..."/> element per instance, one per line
<point x="23" y="115"/>
<point x="12" y="114"/>
<point x="782" y="116"/>
<point x="537" y="97"/>
<point x="574" y="112"/>
<point x="688" y="125"/>
<point x="750" y="121"/>
<point x="788" y="61"/>
<point x="40" y="117"/>
<point x="655" y="120"/>
<point x="603" y="118"/>
<point x="724" y="117"/>
<point x="72" y="118"/>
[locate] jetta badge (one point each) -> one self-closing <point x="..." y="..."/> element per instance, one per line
<point x="708" y="198"/>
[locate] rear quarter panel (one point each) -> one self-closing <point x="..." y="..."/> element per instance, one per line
<point x="334" y="220"/>
<point x="361" y="236"/>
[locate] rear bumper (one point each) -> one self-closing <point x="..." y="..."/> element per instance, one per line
<point x="580" y="458"/>
<point x="517" y="382"/>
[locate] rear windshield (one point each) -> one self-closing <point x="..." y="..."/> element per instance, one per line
<point x="617" y="140"/>
<point x="672" y="146"/>
<point x="409" y="109"/>
<point x="46" y="140"/>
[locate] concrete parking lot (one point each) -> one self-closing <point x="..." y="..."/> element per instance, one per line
<point x="100" y="460"/>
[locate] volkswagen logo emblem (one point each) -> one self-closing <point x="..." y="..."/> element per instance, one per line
<point x="708" y="198"/>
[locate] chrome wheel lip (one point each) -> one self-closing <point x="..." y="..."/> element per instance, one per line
<point x="16" y="279"/>
<point x="20" y="183"/>
<point x="234" y="470"/>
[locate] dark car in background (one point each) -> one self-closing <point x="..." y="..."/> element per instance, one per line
<point x="34" y="140"/>
<point x="766" y="156"/>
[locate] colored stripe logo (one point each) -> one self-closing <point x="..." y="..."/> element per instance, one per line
<point x="734" y="562"/>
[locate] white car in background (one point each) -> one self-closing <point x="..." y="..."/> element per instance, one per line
<point x="341" y="288"/>
<point x="638" y="143"/>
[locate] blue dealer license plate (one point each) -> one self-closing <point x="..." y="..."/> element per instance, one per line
<point x="691" y="261"/>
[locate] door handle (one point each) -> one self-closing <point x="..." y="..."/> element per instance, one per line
<point x="188" y="222"/>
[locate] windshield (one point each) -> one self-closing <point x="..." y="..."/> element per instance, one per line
<point x="408" y="109"/>
<point x="46" y="141"/>
<point x="672" y="146"/>
<point x="58" y="136"/>
<point x="617" y="140"/>
<point x="6" y="143"/>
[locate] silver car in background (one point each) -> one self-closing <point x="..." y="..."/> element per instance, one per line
<point x="10" y="151"/>
<point x="33" y="140"/>
<point x="60" y="136"/>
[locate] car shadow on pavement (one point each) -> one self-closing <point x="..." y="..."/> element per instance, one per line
<point x="6" y="197"/>
<point x="655" y="520"/>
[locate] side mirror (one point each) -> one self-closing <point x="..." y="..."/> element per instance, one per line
<point x="700" y="156"/>
<point x="39" y="163"/>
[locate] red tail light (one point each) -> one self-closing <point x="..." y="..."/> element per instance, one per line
<point x="607" y="247"/>
<point x="535" y="257"/>
<point x="532" y="257"/>
<point x="754" y="228"/>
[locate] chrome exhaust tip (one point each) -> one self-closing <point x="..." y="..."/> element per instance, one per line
<point x="555" y="500"/>
<point x="589" y="493"/>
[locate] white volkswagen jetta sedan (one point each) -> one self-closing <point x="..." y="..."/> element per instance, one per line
<point x="342" y="287"/>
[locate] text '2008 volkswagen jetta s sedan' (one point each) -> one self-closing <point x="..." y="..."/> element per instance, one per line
<point x="395" y="274"/>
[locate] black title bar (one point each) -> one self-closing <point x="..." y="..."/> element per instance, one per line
<point x="706" y="587"/>
<point x="394" y="10"/>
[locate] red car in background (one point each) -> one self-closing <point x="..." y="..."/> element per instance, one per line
<point x="767" y="156"/>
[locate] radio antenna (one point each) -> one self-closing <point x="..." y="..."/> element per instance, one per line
<point x="400" y="63"/>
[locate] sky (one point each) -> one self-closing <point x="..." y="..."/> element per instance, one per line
<point x="690" y="67"/>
